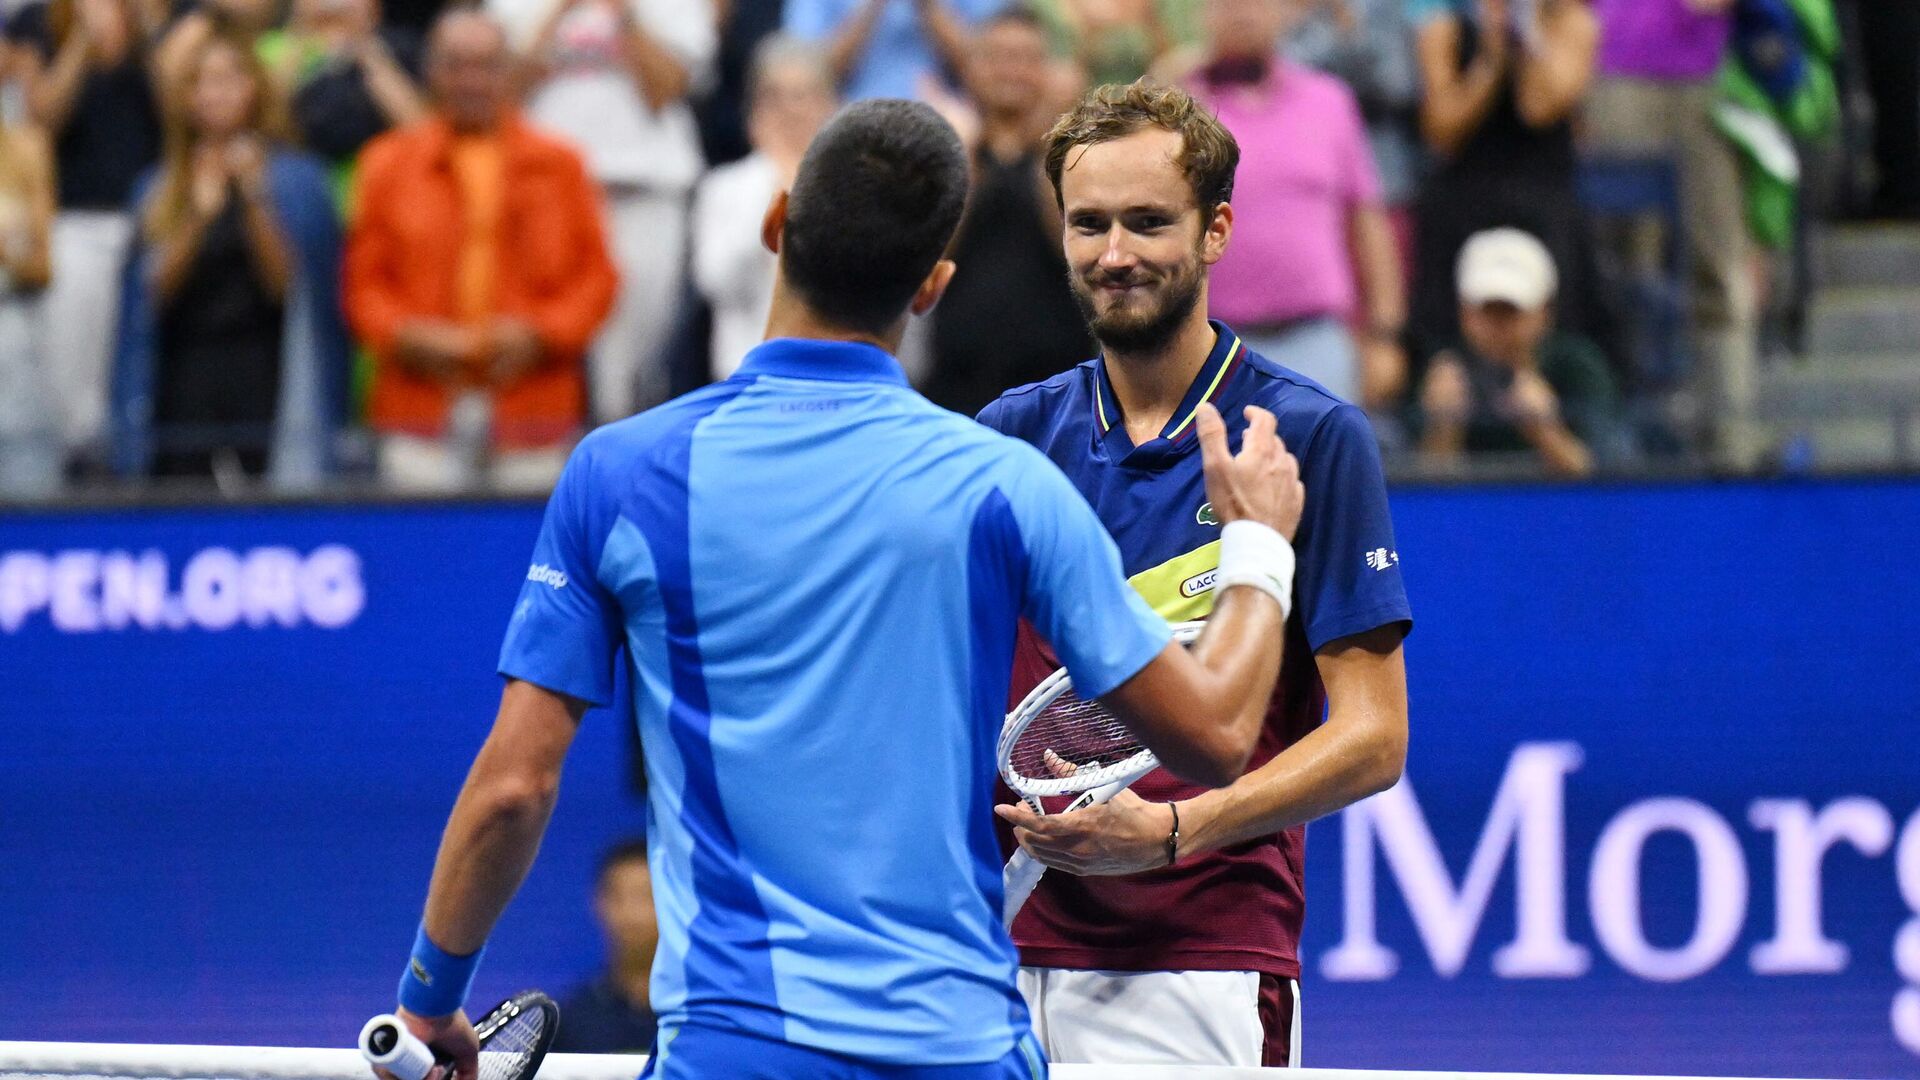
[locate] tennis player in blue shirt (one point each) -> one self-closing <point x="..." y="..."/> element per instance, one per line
<point x="816" y="577"/>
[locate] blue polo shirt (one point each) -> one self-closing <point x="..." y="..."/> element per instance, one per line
<point x="1153" y="497"/>
<point x="816" y="576"/>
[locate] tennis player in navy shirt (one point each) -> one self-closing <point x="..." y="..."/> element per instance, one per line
<point x="1173" y="936"/>
<point x="816" y="578"/>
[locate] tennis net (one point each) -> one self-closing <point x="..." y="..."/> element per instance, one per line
<point x="129" y="1061"/>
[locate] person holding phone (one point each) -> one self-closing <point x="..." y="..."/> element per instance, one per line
<point x="1515" y="383"/>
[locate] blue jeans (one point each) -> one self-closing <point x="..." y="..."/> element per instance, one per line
<point x="700" y="1053"/>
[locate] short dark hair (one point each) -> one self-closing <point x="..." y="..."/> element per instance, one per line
<point x="1208" y="153"/>
<point x="620" y="854"/>
<point x="877" y="198"/>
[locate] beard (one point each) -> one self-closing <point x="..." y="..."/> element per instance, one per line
<point x="1144" y="331"/>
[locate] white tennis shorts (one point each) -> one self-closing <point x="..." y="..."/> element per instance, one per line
<point x="1155" y="1017"/>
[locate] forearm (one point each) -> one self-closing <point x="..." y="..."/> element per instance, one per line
<point x="1383" y="292"/>
<point x="485" y="854"/>
<point x="662" y="78"/>
<point x="174" y="257"/>
<point x="851" y="41"/>
<point x="1550" y="86"/>
<point x="51" y="96"/>
<point x="1450" y="117"/>
<point x="267" y="245"/>
<point x="946" y="33"/>
<point x="1200" y="711"/>
<point x="1339" y="763"/>
<point x="1443" y="438"/>
<point x="1561" y="450"/>
<point x="490" y="843"/>
<point x="392" y="89"/>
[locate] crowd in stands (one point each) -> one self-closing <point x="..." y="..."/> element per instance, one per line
<point x="271" y="243"/>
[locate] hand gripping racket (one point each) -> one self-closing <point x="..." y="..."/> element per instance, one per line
<point x="514" y="1038"/>
<point x="1058" y="743"/>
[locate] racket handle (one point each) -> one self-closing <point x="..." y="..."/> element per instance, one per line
<point x="1023" y="872"/>
<point x="387" y="1044"/>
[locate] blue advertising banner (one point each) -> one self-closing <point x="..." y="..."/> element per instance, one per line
<point x="1661" y="812"/>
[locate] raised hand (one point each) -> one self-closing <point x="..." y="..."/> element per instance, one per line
<point x="1262" y="482"/>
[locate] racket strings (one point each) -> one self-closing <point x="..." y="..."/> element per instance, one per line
<point x="506" y="1052"/>
<point x="1072" y="736"/>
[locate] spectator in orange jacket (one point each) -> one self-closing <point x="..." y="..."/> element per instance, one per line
<point x="477" y="272"/>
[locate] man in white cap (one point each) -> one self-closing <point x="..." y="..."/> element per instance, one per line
<point x="1515" y="384"/>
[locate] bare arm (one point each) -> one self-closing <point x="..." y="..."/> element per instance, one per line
<point x="1200" y="712"/>
<point x="662" y="78"/>
<point x="175" y="255"/>
<point x="501" y="816"/>
<point x="1383" y="294"/>
<point x="489" y="845"/>
<point x="945" y="33"/>
<point x="1446" y="400"/>
<point x="29" y="263"/>
<point x="1454" y="103"/>
<point x="52" y="89"/>
<point x="849" y="43"/>
<point x="392" y="89"/>
<point x="1560" y="449"/>
<point x="1360" y="750"/>
<point x="266" y="242"/>
<point x="1552" y="83"/>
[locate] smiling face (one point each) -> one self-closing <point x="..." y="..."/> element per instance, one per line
<point x="1137" y="243"/>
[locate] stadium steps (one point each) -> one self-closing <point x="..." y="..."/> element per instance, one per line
<point x="1853" y="402"/>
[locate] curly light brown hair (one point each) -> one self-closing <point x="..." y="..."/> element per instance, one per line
<point x="1208" y="152"/>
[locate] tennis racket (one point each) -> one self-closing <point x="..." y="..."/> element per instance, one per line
<point x="514" y="1038"/>
<point x="1057" y="743"/>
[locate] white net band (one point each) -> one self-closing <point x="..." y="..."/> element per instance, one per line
<point x="127" y="1061"/>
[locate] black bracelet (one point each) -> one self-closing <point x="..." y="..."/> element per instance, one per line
<point x="1173" y="837"/>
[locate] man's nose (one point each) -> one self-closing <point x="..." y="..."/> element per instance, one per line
<point x="1118" y="254"/>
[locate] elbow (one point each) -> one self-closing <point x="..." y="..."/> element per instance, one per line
<point x="1386" y="761"/>
<point x="1442" y="139"/>
<point x="1220" y="757"/>
<point x="515" y="800"/>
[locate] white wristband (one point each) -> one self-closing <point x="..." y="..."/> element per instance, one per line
<point x="1253" y="554"/>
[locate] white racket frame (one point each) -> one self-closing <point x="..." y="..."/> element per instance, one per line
<point x="1023" y="872"/>
<point x="1036" y="702"/>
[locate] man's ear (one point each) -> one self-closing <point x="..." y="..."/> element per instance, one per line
<point x="933" y="287"/>
<point x="1213" y="243"/>
<point x="773" y="224"/>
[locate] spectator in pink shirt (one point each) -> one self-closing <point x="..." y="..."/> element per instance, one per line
<point x="1313" y="255"/>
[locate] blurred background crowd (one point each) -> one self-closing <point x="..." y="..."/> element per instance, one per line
<point x="282" y="245"/>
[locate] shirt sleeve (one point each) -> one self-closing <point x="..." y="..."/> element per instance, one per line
<point x="565" y="628"/>
<point x="1348" y="577"/>
<point x="1076" y="596"/>
<point x="994" y="415"/>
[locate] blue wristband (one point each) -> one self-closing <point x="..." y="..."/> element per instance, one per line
<point x="436" y="982"/>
